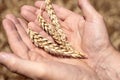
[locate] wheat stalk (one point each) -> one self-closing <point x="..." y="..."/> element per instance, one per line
<point x="62" y="46"/>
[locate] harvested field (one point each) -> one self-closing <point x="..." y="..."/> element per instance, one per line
<point x="110" y="9"/>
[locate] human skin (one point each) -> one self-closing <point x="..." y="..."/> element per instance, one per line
<point x="86" y="33"/>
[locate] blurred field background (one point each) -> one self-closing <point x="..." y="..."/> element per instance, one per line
<point x="110" y="9"/>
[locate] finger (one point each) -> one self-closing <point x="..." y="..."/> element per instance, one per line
<point x="24" y="35"/>
<point x="29" y="8"/>
<point x="27" y="68"/>
<point x="28" y="15"/>
<point x="88" y="10"/>
<point x="23" y="23"/>
<point x="44" y="14"/>
<point x="43" y="69"/>
<point x="61" y="12"/>
<point x="34" y="27"/>
<point x="15" y="41"/>
<point x="21" y="31"/>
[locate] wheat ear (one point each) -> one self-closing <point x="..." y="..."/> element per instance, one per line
<point x="52" y="31"/>
<point x="50" y="47"/>
<point x="62" y="39"/>
<point x="61" y="47"/>
<point x="52" y="15"/>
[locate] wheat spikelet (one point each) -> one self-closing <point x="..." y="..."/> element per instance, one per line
<point x="51" y="13"/>
<point x="54" y="19"/>
<point x="62" y="39"/>
<point x="50" y="47"/>
<point x="52" y="31"/>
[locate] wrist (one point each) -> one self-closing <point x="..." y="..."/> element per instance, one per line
<point x="108" y="67"/>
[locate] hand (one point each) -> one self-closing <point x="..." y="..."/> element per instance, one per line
<point x="35" y="63"/>
<point x="86" y="33"/>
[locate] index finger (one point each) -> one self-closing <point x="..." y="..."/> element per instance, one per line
<point x="61" y="12"/>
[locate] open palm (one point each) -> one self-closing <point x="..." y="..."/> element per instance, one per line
<point x="87" y="34"/>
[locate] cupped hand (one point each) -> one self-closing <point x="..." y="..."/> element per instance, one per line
<point x="86" y="33"/>
<point x="35" y="63"/>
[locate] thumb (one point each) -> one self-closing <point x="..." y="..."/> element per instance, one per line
<point x="25" y="67"/>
